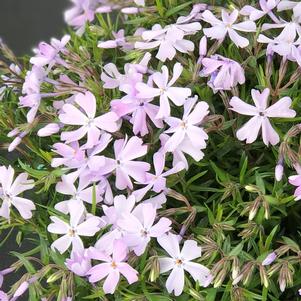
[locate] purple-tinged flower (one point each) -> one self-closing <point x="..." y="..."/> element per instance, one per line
<point x="49" y="54"/>
<point x="4" y="273"/>
<point x="79" y="225"/>
<point x="119" y="41"/>
<point x="225" y="73"/>
<point x="269" y="259"/>
<point x="279" y="170"/>
<point x="3" y="296"/>
<point x="126" y="150"/>
<point x="296" y="181"/>
<point x="188" y="127"/>
<point x="9" y="191"/>
<point x="165" y="90"/>
<point x="169" y="39"/>
<point x="290" y="5"/>
<point x="90" y="125"/>
<point x="157" y="182"/>
<point x="81" y="193"/>
<point x="261" y="114"/>
<point x="180" y="261"/>
<point x="112" y="78"/>
<point x="140" y="228"/>
<point x="122" y="206"/>
<point x="72" y="155"/>
<point x="186" y="147"/>
<point x="266" y="8"/>
<point x="111" y="268"/>
<point x="79" y="263"/>
<point x="285" y="44"/>
<point x="220" y="29"/>
<point x="195" y="13"/>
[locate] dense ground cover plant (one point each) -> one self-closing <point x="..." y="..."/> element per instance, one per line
<point x="155" y="154"/>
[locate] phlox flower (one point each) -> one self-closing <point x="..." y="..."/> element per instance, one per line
<point x="111" y="268"/>
<point x="285" y="44"/>
<point x="119" y="41"/>
<point x="220" y="29"/>
<point x="139" y="229"/>
<point x="288" y="5"/>
<point x="133" y="73"/>
<point x="79" y="225"/>
<point x="141" y="110"/>
<point x="165" y="90"/>
<point x="261" y="114"/>
<point x="72" y="155"/>
<point x="49" y="54"/>
<point x="188" y="127"/>
<point x="81" y="193"/>
<point x="90" y="125"/>
<point x="225" y="73"/>
<point x="83" y="11"/>
<point x="157" y="182"/>
<point x="126" y="150"/>
<point x="79" y="263"/>
<point x="296" y="181"/>
<point x="181" y="261"/>
<point x="169" y="39"/>
<point x="266" y="8"/>
<point x="9" y="191"/>
<point x="121" y="206"/>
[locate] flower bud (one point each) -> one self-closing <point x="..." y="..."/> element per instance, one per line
<point x="21" y="289"/>
<point x="130" y="10"/>
<point x="279" y="172"/>
<point x="14" y="144"/>
<point x="269" y="259"/>
<point x="107" y="44"/>
<point x="48" y="130"/>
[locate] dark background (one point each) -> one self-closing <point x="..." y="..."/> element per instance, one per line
<point x="23" y="24"/>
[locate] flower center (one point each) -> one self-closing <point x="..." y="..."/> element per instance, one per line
<point x="72" y="232"/>
<point x="113" y="265"/>
<point x="144" y="233"/>
<point x="179" y="262"/>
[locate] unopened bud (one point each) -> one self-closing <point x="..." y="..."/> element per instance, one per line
<point x="130" y="10"/>
<point x="48" y="130"/>
<point x="269" y="259"/>
<point x="279" y="172"/>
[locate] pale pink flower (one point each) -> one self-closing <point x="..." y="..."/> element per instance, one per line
<point x="261" y="113"/>
<point x="79" y="263"/>
<point x="126" y="150"/>
<point x="186" y="147"/>
<point x="291" y="5"/>
<point x="80" y="192"/>
<point x="220" y="29"/>
<point x="119" y="41"/>
<point x="225" y="73"/>
<point x="112" y="78"/>
<point x="111" y="268"/>
<point x="285" y="44"/>
<point x="296" y="181"/>
<point x="189" y="126"/>
<point x="79" y="225"/>
<point x="140" y="228"/>
<point x="9" y="191"/>
<point x="165" y="90"/>
<point x="157" y="182"/>
<point x="181" y="261"/>
<point x="90" y="125"/>
<point x="3" y="296"/>
<point x="266" y="8"/>
<point x="169" y="39"/>
<point x="122" y="206"/>
<point x="49" y="54"/>
<point x="72" y="155"/>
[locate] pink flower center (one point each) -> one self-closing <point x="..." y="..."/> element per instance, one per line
<point x="72" y="232"/>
